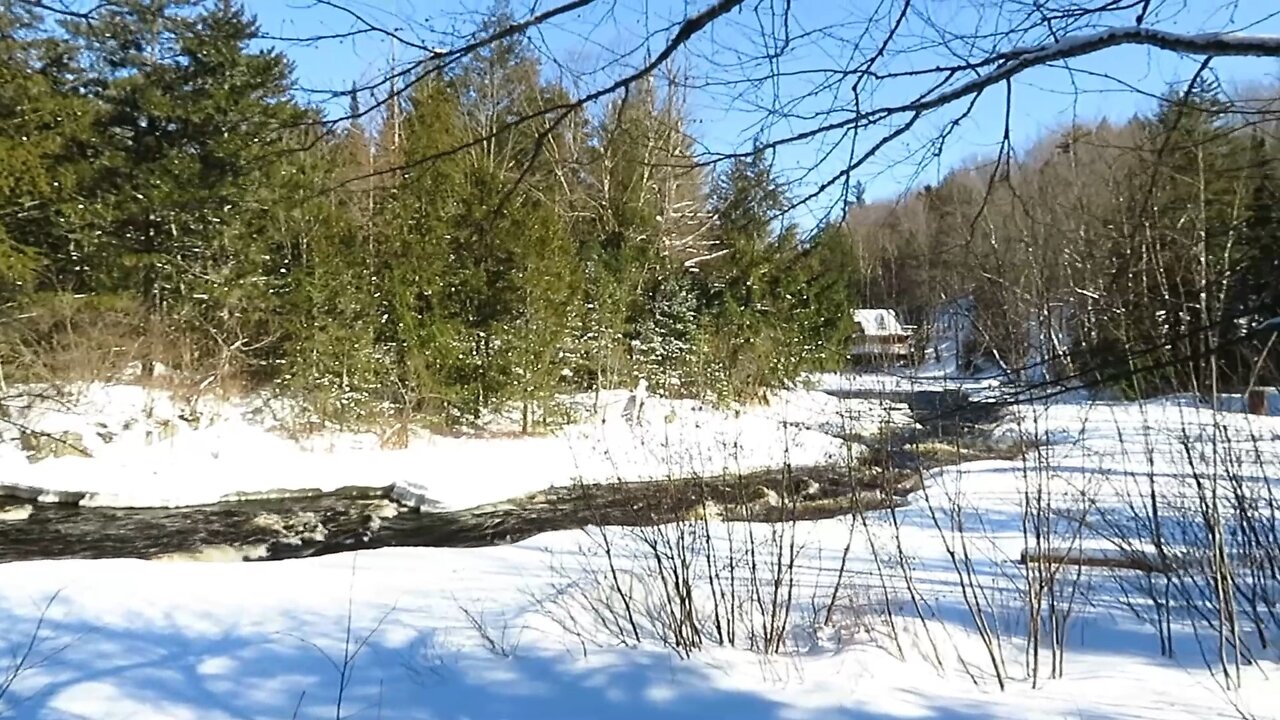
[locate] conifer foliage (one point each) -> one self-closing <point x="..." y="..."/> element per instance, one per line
<point x="166" y="199"/>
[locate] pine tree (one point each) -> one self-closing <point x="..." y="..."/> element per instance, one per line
<point x="550" y="279"/>
<point x="422" y="326"/>
<point x="477" y="276"/>
<point x="1255" y="294"/>
<point x="747" y="308"/>
<point x="322" y="346"/>
<point x="23" y="181"/>
<point x="44" y="133"/>
<point x="644" y="201"/>
<point x="825" y="284"/>
<point x="189" y="133"/>
<point x="41" y="119"/>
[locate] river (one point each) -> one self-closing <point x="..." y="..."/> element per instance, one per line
<point x="355" y="518"/>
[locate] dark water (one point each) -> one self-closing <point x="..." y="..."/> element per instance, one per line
<point x="363" y="518"/>
<point x="71" y="531"/>
<point x="942" y="414"/>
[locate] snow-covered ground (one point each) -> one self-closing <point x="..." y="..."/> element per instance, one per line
<point x="151" y="449"/>
<point x="533" y="630"/>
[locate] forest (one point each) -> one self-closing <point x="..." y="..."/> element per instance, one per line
<point x="167" y="200"/>
<point x="450" y="248"/>
<point x="1141" y="255"/>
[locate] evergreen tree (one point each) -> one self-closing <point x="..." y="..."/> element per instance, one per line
<point x="477" y="273"/>
<point x="44" y="129"/>
<point x="747" y="311"/>
<point x="322" y="342"/>
<point x="160" y="172"/>
<point x="827" y="277"/>
<point x="1255" y="293"/>
<point x="549" y="278"/>
<point x="424" y="326"/>
<point x="188" y="134"/>
<point x="643" y="197"/>
<point x="40" y="120"/>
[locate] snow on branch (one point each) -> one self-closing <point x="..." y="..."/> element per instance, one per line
<point x="1018" y="60"/>
<point x="694" y="262"/>
<point x="1006" y="65"/>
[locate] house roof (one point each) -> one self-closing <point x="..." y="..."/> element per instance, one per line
<point x="879" y="321"/>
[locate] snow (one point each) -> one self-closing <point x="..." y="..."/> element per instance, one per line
<point x="17" y="512"/>
<point x="152" y="448"/>
<point x="1226" y="43"/>
<point x="197" y="649"/>
<point x="510" y="632"/>
<point x="1236" y="403"/>
<point x="878" y="321"/>
<point x="1016" y="60"/>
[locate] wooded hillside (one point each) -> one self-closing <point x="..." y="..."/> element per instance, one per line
<point x="1141" y="254"/>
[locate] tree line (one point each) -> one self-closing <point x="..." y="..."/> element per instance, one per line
<point x="166" y="200"/>
<point x="449" y="249"/>
<point x="1139" y="254"/>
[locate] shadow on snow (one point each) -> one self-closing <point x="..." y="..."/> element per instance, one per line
<point x="171" y="673"/>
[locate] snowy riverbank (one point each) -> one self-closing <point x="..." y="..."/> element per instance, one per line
<point x="150" y="449"/>
<point x="530" y="630"/>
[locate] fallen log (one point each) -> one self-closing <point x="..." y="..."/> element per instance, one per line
<point x="1099" y="558"/>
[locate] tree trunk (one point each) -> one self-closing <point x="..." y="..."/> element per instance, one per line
<point x="1256" y="401"/>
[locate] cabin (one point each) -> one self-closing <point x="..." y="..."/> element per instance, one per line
<point x="879" y="337"/>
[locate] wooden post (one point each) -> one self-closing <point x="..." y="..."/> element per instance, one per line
<point x="1256" y="401"/>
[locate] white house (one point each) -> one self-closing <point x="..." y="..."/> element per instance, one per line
<point x="879" y="335"/>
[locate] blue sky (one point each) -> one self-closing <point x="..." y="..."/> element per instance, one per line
<point x="597" y="41"/>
